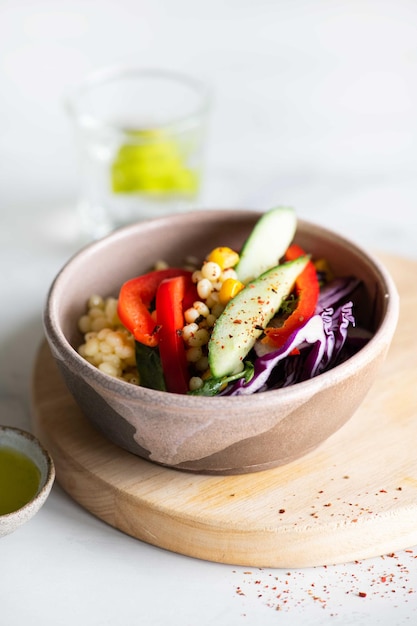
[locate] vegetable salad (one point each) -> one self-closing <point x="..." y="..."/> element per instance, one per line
<point x="211" y="328"/>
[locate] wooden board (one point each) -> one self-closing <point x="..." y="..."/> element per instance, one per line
<point x="352" y="498"/>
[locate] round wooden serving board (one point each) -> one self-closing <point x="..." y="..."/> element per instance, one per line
<point x="352" y="498"/>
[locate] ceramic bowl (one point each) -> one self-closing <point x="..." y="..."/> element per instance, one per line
<point x="224" y="435"/>
<point x="26" y="444"/>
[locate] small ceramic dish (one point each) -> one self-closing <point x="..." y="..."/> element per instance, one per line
<point x="24" y="460"/>
<point x="224" y="435"/>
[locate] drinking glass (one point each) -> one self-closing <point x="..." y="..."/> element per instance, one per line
<point x="140" y="135"/>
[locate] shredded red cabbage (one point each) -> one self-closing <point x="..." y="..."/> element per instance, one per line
<point x="322" y="343"/>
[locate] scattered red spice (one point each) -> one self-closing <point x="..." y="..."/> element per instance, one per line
<point x="285" y="590"/>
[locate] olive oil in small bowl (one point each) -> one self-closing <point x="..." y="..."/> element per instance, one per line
<point x="27" y="474"/>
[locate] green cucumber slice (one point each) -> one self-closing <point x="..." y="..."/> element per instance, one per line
<point x="267" y="243"/>
<point x="247" y="315"/>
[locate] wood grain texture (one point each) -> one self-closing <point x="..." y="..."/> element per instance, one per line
<point x="352" y="498"/>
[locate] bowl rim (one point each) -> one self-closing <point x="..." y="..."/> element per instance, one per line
<point x="48" y="480"/>
<point x="65" y="351"/>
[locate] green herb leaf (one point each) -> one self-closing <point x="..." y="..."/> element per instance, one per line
<point x="213" y="386"/>
<point x="149" y="367"/>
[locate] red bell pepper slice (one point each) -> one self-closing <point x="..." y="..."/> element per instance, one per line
<point x="171" y="301"/>
<point x="307" y="289"/>
<point x="135" y="299"/>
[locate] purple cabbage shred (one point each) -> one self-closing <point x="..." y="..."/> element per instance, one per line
<point x="326" y="340"/>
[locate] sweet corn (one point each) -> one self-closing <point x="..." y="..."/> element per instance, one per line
<point x="323" y="267"/>
<point x="229" y="289"/>
<point x="224" y="257"/>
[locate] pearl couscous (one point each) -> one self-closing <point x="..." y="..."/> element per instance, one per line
<point x="110" y="347"/>
<point x="107" y="344"/>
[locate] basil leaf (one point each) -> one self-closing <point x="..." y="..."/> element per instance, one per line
<point x="149" y="367"/>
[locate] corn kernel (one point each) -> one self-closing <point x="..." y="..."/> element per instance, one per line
<point x="322" y="266"/>
<point x="229" y="290"/>
<point x="224" y="257"/>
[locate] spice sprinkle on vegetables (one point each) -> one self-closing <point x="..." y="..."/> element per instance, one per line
<point x="234" y="324"/>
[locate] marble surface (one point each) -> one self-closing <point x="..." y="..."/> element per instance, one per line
<point x="314" y="105"/>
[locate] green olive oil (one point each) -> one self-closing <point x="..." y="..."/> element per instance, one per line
<point x="19" y="480"/>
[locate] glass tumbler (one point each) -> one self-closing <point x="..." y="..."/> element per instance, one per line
<point x="140" y="136"/>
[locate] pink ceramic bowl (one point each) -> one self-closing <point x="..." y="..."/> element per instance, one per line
<point x="223" y="435"/>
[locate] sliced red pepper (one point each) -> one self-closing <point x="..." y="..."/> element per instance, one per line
<point x="307" y="289"/>
<point x="171" y="300"/>
<point x="135" y="298"/>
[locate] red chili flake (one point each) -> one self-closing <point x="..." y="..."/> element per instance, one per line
<point x="383" y="579"/>
<point x="281" y="511"/>
<point x="382" y="491"/>
<point x="362" y="594"/>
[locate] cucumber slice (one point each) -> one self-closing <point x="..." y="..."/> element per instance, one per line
<point x="247" y="315"/>
<point x="267" y="243"/>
